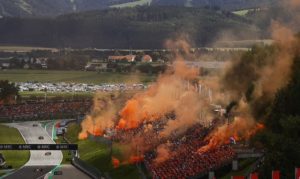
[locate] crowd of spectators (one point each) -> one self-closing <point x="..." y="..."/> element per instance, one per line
<point x="44" y="110"/>
<point x="186" y="161"/>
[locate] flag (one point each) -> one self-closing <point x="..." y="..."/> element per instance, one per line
<point x="253" y="176"/>
<point x="232" y="140"/>
<point x="276" y="174"/>
<point x="297" y="173"/>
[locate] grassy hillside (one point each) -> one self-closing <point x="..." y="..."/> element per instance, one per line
<point x="140" y="27"/>
<point x="38" y="8"/>
<point x="52" y="8"/>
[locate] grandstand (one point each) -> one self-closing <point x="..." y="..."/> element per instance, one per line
<point x="42" y="110"/>
<point x="184" y="161"/>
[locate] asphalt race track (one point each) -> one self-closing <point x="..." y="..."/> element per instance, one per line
<point x="68" y="171"/>
<point x="38" y="164"/>
<point x="28" y="172"/>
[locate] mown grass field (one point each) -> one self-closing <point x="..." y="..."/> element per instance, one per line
<point x="98" y="155"/>
<point x="23" y="48"/>
<point x="12" y="136"/>
<point x="73" y="76"/>
<point x="67" y="95"/>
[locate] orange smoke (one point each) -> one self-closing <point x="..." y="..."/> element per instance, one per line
<point x="97" y="131"/>
<point x="163" y="153"/>
<point x="115" y="162"/>
<point x="100" y="118"/>
<point x="166" y="96"/>
<point x="129" y="115"/>
<point x="83" y="135"/>
<point x="135" y="159"/>
<point x="239" y="129"/>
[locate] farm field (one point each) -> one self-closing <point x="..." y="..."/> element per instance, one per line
<point x="24" y="48"/>
<point x="73" y="76"/>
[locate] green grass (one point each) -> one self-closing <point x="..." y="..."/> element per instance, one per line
<point x="67" y="157"/>
<point x="244" y="165"/>
<point x="24" y="48"/>
<point x="98" y="155"/>
<point x="132" y="4"/>
<point x="73" y="76"/>
<point x="27" y="94"/>
<point x="12" y="136"/>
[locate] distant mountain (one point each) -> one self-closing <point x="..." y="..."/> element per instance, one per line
<point x="221" y="4"/>
<point x="37" y="8"/>
<point x="140" y="27"/>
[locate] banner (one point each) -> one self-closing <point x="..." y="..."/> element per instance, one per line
<point x="238" y="177"/>
<point x="276" y="174"/>
<point x="297" y="173"/>
<point x="253" y="176"/>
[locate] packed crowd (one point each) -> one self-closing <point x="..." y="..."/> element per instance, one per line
<point x="186" y="161"/>
<point x="44" y="110"/>
<point x="77" y="87"/>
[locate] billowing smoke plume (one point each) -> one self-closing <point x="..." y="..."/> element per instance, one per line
<point x="252" y="82"/>
<point x="242" y="127"/>
<point x="163" y="153"/>
<point x="100" y="118"/>
<point x="174" y="102"/>
<point x="174" y="92"/>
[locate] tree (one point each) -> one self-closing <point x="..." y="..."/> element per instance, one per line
<point x="281" y="138"/>
<point x="7" y="91"/>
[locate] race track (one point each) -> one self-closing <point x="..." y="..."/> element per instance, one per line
<point x="38" y="159"/>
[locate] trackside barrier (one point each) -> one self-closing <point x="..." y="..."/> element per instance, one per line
<point x="87" y="169"/>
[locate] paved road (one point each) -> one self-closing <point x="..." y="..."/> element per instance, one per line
<point x="68" y="172"/>
<point x="37" y="158"/>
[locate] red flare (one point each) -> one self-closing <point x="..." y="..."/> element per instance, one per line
<point x="136" y="159"/>
<point x="115" y="162"/>
<point x="83" y="135"/>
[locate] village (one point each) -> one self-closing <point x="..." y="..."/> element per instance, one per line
<point x="126" y="61"/>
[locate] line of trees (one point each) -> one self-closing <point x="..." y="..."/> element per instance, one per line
<point x="140" y="27"/>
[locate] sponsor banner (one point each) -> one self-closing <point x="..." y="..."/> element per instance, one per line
<point x="276" y="174"/>
<point x="253" y="176"/>
<point x="238" y="177"/>
<point x="297" y="173"/>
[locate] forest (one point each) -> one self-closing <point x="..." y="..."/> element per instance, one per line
<point x="139" y="28"/>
